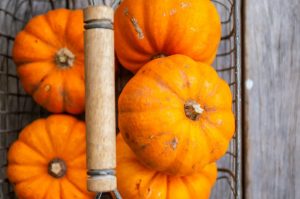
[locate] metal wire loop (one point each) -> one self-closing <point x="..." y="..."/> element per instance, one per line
<point x="103" y="23"/>
<point x="101" y="172"/>
<point x="114" y="4"/>
<point x="114" y="192"/>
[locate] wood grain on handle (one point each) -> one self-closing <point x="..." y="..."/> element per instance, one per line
<point x="100" y="99"/>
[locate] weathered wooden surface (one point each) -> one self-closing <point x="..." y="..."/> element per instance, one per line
<point x="272" y="109"/>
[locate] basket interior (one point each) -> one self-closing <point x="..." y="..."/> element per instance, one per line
<point x="18" y="109"/>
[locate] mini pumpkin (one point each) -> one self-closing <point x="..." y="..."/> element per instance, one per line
<point x="136" y="181"/>
<point x="49" y="160"/>
<point x="176" y="115"/>
<point x="49" y="55"/>
<point x="145" y="30"/>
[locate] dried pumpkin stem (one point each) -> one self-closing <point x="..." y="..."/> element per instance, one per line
<point x="193" y="110"/>
<point x="57" y="168"/>
<point x="64" y="58"/>
<point x="161" y="55"/>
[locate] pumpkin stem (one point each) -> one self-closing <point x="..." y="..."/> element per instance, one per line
<point x="57" y="168"/>
<point x="64" y="58"/>
<point x="161" y="55"/>
<point x="193" y="110"/>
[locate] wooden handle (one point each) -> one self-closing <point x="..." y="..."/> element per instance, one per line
<point x="100" y="98"/>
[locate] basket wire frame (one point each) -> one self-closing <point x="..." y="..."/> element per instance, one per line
<point x="17" y="109"/>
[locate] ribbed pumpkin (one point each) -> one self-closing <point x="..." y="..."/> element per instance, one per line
<point x="176" y="115"/>
<point x="49" y="160"/>
<point x="49" y="54"/>
<point x="135" y="181"/>
<point x="148" y="29"/>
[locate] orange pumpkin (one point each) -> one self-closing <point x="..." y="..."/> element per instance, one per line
<point x="176" y="115"/>
<point x="135" y="181"/>
<point x="49" y="54"/>
<point x="149" y="29"/>
<point x="49" y="160"/>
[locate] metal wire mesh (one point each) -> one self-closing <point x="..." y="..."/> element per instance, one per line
<point x="17" y="108"/>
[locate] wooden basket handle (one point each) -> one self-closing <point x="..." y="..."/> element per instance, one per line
<point x="100" y="98"/>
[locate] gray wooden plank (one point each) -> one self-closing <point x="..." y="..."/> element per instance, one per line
<point x="272" y="97"/>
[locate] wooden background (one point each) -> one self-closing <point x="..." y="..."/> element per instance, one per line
<point x="272" y="99"/>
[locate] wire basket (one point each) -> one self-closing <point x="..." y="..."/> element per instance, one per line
<point x="17" y="109"/>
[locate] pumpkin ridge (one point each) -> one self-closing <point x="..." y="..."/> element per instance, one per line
<point x="21" y="63"/>
<point x="153" y="109"/>
<point x="151" y="180"/>
<point x="77" y="67"/>
<point x="49" y="45"/>
<point x="214" y="33"/>
<point x="67" y="25"/>
<point x="47" y="188"/>
<point x="211" y="179"/>
<point x="226" y="131"/>
<point x="64" y="97"/>
<point x="41" y="39"/>
<point x="167" y="38"/>
<point x="29" y="181"/>
<point x="27" y="166"/>
<point x="137" y="48"/>
<point x="77" y="187"/>
<point x="44" y="103"/>
<point x="203" y="129"/>
<point x="37" y="85"/>
<point x="33" y="150"/>
<point x="191" y="190"/>
<point x="49" y="185"/>
<point x="49" y="137"/>
<point x="149" y="36"/>
<point x="211" y="109"/>
<point x="71" y="129"/>
<point x="52" y="28"/>
<point x="209" y="121"/>
<point x="134" y="22"/>
<point x="75" y="159"/>
<point x="61" y="188"/>
<point x="24" y="76"/>
<point x="25" y="141"/>
<point x="179" y="157"/>
<point x="70" y="48"/>
<point x="62" y="45"/>
<point x="155" y="76"/>
<point x="211" y="93"/>
<point x="217" y="129"/>
<point x="218" y="84"/>
<point x="210" y="140"/>
<point x="214" y="124"/>
<point x="168" y="194"/>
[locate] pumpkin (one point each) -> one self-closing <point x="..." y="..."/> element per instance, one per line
<point x="136" y="181"/>
<point x="176" y="115"/>
<point x="145" y="30"/>
<point x="49" y="160"/>
<point x="49" y="54"/>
